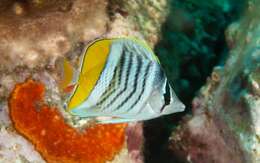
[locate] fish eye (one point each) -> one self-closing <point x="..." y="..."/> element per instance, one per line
<point x="65" y="105"/>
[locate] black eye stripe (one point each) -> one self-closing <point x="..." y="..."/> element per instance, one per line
<point x="167" y="96"/>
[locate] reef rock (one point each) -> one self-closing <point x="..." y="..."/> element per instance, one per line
<point x="35" y="34"/>
<point x="224" y="126"/>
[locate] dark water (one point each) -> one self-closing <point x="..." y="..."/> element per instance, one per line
<point x="193" y="42"/>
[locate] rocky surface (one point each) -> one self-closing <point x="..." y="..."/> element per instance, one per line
<point x="35" y="34"/>
<point x="223" y="126"/>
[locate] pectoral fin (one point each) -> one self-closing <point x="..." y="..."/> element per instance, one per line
<point x="68" y="77"/>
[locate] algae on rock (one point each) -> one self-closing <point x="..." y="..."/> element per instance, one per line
<point x="34" y="35"/>
<point x="224" y="126"/>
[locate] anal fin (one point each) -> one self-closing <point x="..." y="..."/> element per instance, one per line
<point x="116" y="120"/>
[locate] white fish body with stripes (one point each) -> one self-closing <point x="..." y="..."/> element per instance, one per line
<point x="121" y="80"/>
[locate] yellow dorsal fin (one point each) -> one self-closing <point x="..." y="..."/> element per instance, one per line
<point x="93" y="62"/>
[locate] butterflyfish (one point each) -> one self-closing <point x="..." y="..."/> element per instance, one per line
<point x="120" y="79"/>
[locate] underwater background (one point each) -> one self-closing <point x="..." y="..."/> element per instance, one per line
<point x="192" y="44"/>
<point x="208" y="49"/>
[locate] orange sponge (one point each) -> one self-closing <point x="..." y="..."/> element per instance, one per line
<point x="53" y="138"/>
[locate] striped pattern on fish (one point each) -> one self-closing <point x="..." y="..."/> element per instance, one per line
<point x="130" y="77"/>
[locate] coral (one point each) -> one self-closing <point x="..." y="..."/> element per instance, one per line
<point x="201" y="141"/>
<point x="135" y="141"/>
<point x="17" y="148"/>
<point x="192" y="43"/>
<point x="34" y="34"/>
<point x="52" y="137"/>
<point x="224" y="126"/>
<point x="143" y="16"/>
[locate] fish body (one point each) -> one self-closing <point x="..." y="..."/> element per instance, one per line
<point x="122" y="79"/>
